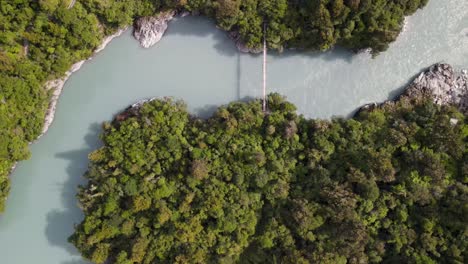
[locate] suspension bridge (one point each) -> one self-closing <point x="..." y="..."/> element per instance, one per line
<point x="71" y="4"/>
<point x="264" y="68"/>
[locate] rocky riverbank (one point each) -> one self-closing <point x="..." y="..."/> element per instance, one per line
<point x="443" y="84"/>
<point x="149" y="30"/>
<point x="440" y="83"/>
<point x="56" y="86"/>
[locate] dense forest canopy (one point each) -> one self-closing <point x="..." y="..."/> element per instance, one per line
<point x="389" y="185"/>
<point x="41" y="39"/>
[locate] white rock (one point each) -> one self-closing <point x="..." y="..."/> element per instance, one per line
<point x="453" y="121"/>
<point x="444" y="85"/>
<point x="149" y="30"/>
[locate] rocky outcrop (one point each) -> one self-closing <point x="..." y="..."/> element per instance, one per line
<point x="241" y="46"/>
<point x="149" y="30"/>
<point x="443" y="84"/>
<point x="440" y="83"/>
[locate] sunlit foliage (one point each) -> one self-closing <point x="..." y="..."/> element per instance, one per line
<point x="40" y="40"/>
<point x="246" y="187"/>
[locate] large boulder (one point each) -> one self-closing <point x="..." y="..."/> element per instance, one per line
<point x="443" y="84"/>
<point x="440" y="83"/>
<point x="149" y="30"/>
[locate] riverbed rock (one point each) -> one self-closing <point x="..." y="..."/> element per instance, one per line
<point x="241" y="46"/>
<point x="149" y="30"/>
<point x="443" y="84"/>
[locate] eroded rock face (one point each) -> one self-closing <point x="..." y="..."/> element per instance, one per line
<point x="443" y="84"/>
<point x="149" y="30"/>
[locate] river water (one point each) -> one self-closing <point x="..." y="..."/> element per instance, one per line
<point x="198" y="63"/>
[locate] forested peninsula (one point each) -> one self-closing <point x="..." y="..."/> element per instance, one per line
<point x="41" y="40"/>
<point x="245" y="186"/>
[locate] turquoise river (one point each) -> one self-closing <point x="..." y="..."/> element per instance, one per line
<point x="199" y="64"/>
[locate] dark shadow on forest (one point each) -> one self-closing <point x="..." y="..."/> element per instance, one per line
<point x="60" y="224"/>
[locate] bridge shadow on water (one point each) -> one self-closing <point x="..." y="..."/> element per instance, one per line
<point x="60" y="223"/>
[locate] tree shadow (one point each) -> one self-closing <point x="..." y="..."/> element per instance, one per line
<point x="199" y="26"/>
<point x="247" y="99"/>
<point x="334" y="54"/>
<point x="205" y="112"/>
<point x="60" y="223"/>
<point x="338" y="53"/>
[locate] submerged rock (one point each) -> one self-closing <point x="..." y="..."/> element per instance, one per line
<point x="443" y="84"/>
<point x="241" y="46"/>
<point x="149" y="30"/>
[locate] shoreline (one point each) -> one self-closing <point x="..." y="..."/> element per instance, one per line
<point x="441" y="82"/>
<point x="58" y="84"/>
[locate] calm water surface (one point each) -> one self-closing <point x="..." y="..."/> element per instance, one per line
<point x="199" y="64"/>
